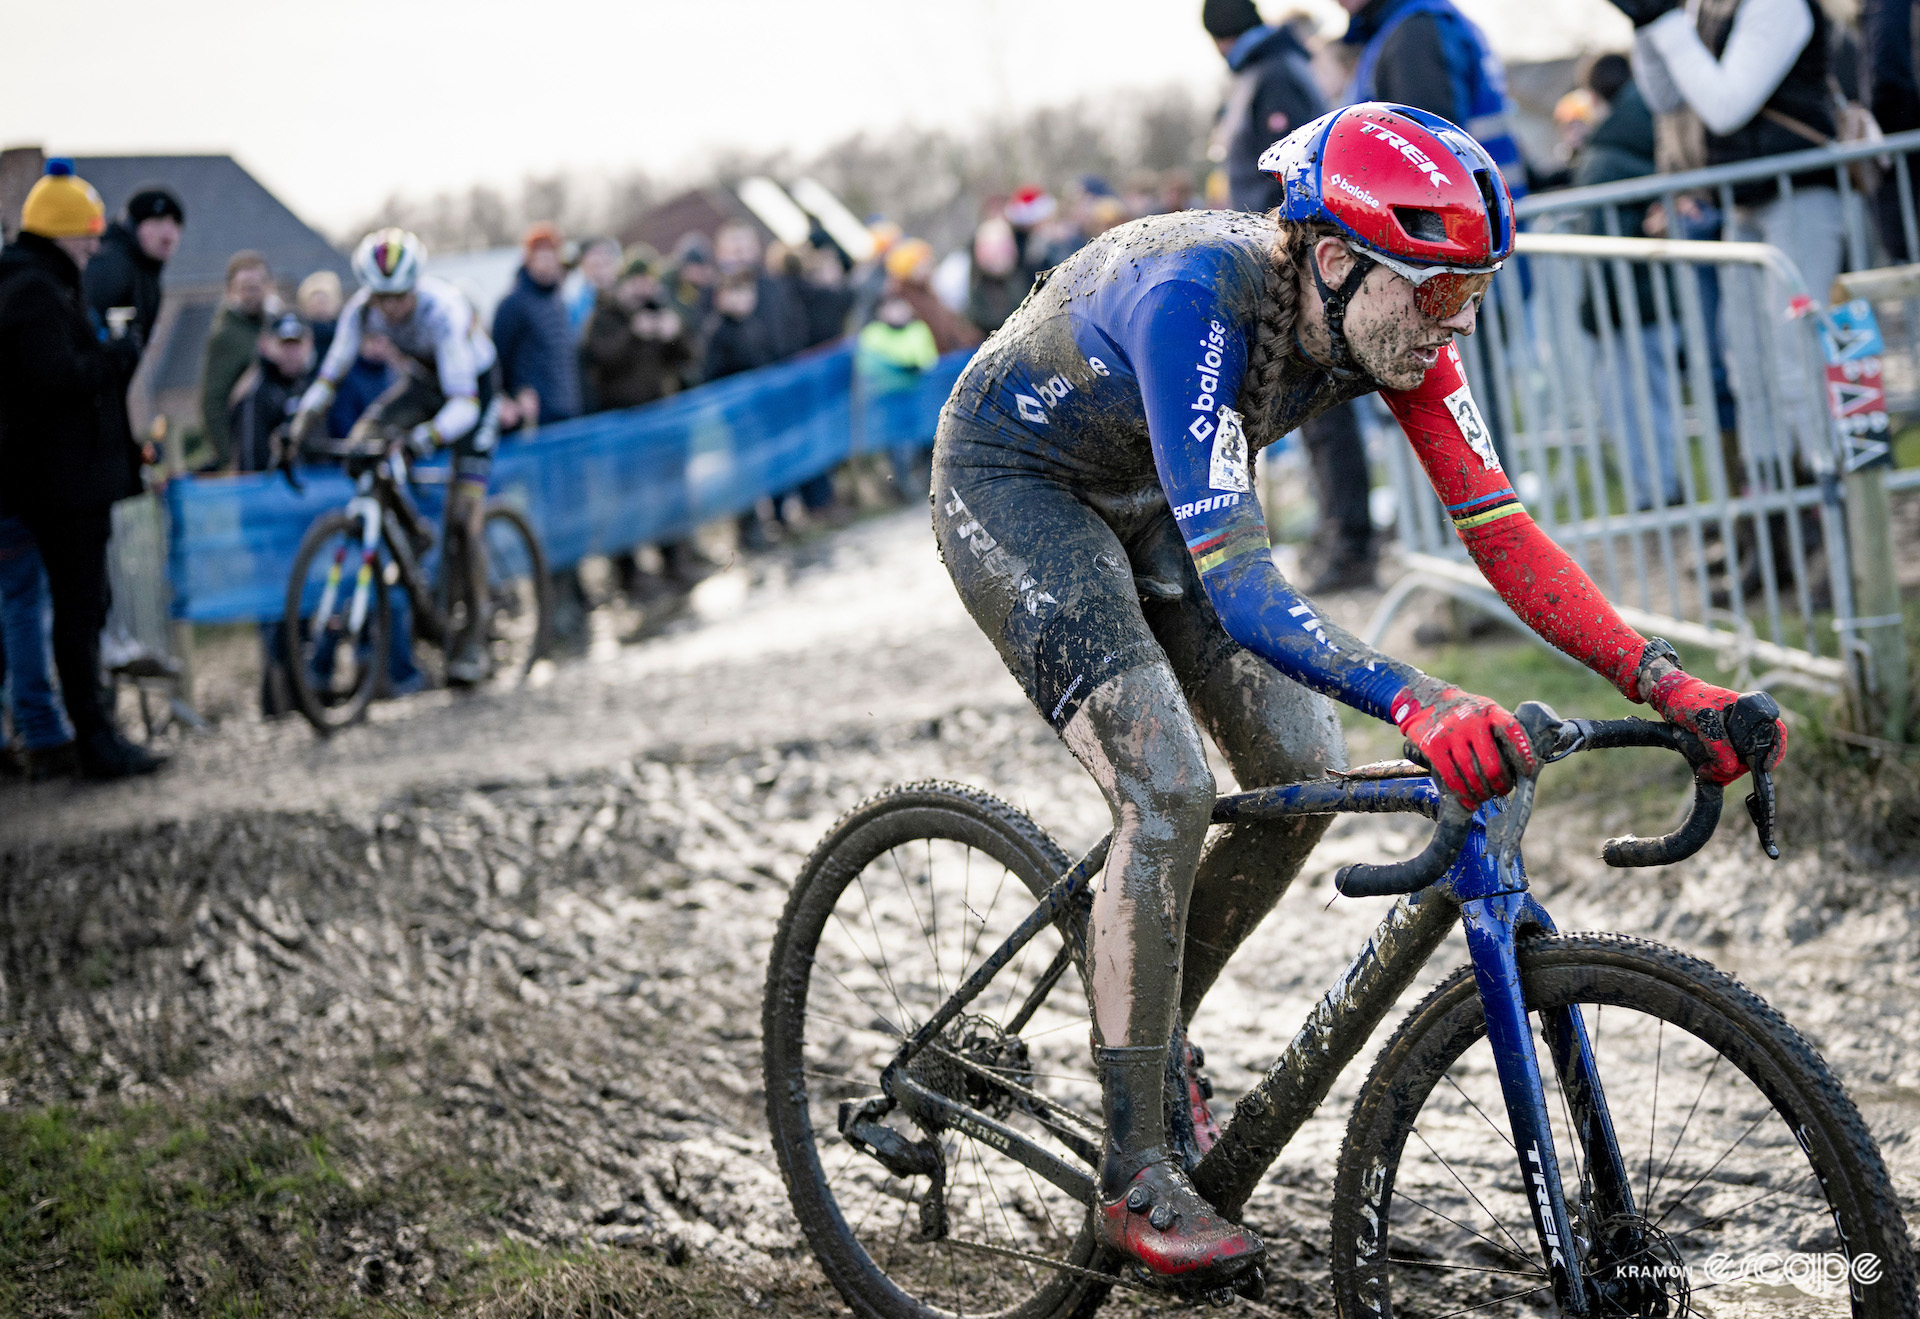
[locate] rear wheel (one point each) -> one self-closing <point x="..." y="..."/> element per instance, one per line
<point x="519" y="598"/>
<point x="1754" y="1185"/>
<point x="335" y="623"/>
<point x="907" y="895"/>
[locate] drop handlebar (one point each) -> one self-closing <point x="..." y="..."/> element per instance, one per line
<point x="1750" y="726"/>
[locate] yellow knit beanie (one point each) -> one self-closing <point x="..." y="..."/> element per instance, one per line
<point x="62" y="205"/>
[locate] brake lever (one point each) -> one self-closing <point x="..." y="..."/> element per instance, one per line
<point x="1752" y="731"/>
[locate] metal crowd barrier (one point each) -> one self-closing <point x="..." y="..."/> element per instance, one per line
<point x="1612" y="432"/>
<point x="1690" y="422"/>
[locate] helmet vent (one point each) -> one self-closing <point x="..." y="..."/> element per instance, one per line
<point x="1427" y="226"/>
<point x="1496" y="222"/>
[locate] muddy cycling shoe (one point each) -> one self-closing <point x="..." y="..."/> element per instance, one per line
<point x="1161" y="1222"/>
<point x="1191" y="1129"/>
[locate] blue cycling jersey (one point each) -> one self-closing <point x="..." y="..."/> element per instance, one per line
<point x="1124" y="369"/>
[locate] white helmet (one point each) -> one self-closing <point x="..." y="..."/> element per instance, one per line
<point x="388" y="261"/>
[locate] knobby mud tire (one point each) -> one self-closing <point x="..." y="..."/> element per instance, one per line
<point x="908" y="813"/>
<point x="1665" y="984"/>
<point x="327" y="719"/>
<point x="509" y="516"/>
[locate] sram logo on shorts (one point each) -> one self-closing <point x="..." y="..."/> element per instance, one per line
<point x="1183" y="511"/>
<point x="1419" y="159"/>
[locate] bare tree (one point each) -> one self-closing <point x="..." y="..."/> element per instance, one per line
<point x="932" y="182"/>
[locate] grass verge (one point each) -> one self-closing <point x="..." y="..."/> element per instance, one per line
<point x="137" y="1211"/>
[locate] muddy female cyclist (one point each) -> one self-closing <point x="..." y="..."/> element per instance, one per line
<point x="1094" y="503"/>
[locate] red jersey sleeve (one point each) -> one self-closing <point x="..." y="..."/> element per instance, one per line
<point x="1539" y="581"/>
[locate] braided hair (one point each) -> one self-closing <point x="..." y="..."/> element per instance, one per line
<point x="1273" y="332"/>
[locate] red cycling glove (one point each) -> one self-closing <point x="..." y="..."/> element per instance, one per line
<point x="1474" y="746"/>
<point x="1701" y="709"/>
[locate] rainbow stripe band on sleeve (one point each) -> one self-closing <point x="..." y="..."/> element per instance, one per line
<point x="1212" y="551"/>
<point x="1487" y="508"/>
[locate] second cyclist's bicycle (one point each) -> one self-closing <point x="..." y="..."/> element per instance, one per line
<point x="1584" y="1124"/>
<point x="339" y="617"/>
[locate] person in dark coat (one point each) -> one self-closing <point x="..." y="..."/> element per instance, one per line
<point x="230" y="349"/>
<point x="995" y="285"/>
<point x="66" y="446"/>
<point x="742" y="334"/>
<point x="268" y="394"/>
<point x="122" y="281"/>
<point x="531" y="333"/>
<point x="636" y="341"/>
<point x="1273" y="93"/>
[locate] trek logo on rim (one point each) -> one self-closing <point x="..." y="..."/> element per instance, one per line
<point x="1208" y="369"/>
<point x="1419" y="159"/>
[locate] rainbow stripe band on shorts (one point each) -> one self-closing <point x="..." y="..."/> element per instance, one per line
<point x="1484" y="509"/>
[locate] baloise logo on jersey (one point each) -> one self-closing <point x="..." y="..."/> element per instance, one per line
<point x="1228" y="468"/>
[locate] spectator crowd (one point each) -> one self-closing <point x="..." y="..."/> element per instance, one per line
<point x="590" y="325"/>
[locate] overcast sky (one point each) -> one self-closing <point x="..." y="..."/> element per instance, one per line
<point x="336" y="106"/>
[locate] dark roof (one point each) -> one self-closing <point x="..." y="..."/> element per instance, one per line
<point x="703" y="210"/>
<point x="227" y="210"/>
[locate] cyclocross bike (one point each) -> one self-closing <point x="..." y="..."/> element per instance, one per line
<point x="338" y="617"/>
<point x="1667" y="1138"/>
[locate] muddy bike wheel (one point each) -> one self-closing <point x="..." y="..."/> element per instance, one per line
<point x="1755" y="1185"/>
<point x="332" y="664"/>
<point x="903" y="898"/>
<point x="519" y="596"/>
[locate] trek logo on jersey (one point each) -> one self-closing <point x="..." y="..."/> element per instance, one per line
<point x="1544" y="1203"/>
<point x="1208" y="368"/>
<point x="1419" y="159"/>
<point x="1354" y="190"/>
<point x="1183" y="511"/>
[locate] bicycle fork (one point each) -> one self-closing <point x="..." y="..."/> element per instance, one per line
<point x="1492" y="924"/>
<point x="367" y="510"/>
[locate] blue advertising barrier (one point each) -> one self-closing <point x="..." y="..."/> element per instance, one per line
<point x="594" y="485"/>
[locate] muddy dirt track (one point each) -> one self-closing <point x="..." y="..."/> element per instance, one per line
<point x="532" y="928"/>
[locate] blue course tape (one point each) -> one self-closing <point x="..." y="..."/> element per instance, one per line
<point x="594" y="485"/>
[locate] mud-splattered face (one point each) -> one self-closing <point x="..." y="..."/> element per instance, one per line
<point x="1393" y="340"/>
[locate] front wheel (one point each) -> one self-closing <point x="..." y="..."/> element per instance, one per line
<point x="1754" y="1185"/>
<point x="335" y="622"/>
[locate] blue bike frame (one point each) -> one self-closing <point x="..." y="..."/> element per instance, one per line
<point x="1486" y="890"/>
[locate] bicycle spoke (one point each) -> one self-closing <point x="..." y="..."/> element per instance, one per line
<point x="1725" y="1154"/>
<point x="1399" y="1194"/>
<point x="1467" y="1268"/>
<point x="1683" y="1127"/>
<point x="1482" y="1112"/>
<point x="1653" y="1118"/>
<point x="1510" y="1296"/>
<point x="1471" y="1193"/>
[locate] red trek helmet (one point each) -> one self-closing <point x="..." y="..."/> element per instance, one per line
<point x="1409" y="190"/>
